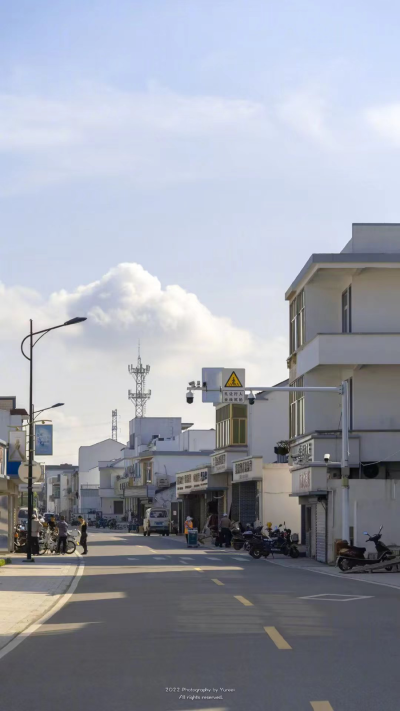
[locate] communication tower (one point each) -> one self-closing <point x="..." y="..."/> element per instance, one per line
<point x="139" y="397"/>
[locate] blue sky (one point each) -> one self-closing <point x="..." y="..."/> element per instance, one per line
<point x="216" y="144"/>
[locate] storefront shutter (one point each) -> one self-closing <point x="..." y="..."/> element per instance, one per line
<point x="321" y="532"/>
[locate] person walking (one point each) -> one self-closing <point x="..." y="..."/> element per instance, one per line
<point x="226" y="533"/>
<point x="36" y="528"/>
<point x="62" y="535"/>
<point x="83" y="541"/>
<point x="188" y="527"/>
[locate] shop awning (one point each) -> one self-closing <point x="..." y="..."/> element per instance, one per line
<point x="310" y="493"/>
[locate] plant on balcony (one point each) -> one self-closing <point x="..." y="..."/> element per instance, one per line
<point x="282" y="447"/>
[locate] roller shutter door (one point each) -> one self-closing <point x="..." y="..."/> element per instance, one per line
<point x="321" y="532"/>
<point x="248" y="494"/>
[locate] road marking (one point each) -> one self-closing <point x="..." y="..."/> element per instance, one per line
<point x="186" y="557"/>
<point x="88" y="597"/>
<point x="277" y="638"/>
<point x="243" y="600"/>
<point x="321" y="705"/>
<point x="159" y="557"/>
<point x="132" y="558"/>
<point x="335" y="597"/>
<point x="217" y="582"/>
<point x="209" y="558"/>
<point x="200" y="570"/>
<point x="242" y="558"/>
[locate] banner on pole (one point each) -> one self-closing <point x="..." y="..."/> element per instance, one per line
<point x="44" y="440"/>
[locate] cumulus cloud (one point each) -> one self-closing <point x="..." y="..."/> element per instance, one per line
<point x="86" y="366"/>
<point x="385" y="121"/>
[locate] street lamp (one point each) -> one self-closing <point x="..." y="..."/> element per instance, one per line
<point x="31" y="334"/>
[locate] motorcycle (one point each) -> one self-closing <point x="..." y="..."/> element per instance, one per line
<point x="351" y="556"/>
<point x="261" y="548"/>
<point x="20" y="538"/>
<point x="243" y="539"/>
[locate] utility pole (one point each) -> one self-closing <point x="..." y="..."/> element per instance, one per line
<point x="114" y="425"/>
<point x="139" y="397"/>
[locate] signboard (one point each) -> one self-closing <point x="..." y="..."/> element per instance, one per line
<point x="248" y="469"/>
<point x="17" y="446"/>
<point x="23" y="472"/>
<point x="188" y="482"/>
<point x="219" y="463"/>
<point x="44" y="440"/>
<point x="221" y="381"/>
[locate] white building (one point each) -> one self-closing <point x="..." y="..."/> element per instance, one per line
<point x="159" y="448"/>
<point x="345" y="325"/>
<point x="246" y="479"/>
<point x="61" y="489"/>
<point x="89" y="472"/>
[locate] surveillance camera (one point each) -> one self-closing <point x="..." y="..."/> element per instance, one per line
<point x="251" y="399"/>
<point x="327" y="458"/>
<point x="189" y="398"/>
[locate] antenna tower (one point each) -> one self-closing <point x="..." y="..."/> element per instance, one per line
<point x="114" y="425"/>
<point x="139" y="397"/>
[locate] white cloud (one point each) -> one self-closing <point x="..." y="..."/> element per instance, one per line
<point x="86" y="366"/>
<point x="385" y="121"/>
<point x="306" y="113"/>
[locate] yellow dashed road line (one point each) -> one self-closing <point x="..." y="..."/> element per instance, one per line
<point x="217" y="582"/>
<point x="281" y="643"/>
<point x="243" y="600"/>
<point x="321" y="705"/>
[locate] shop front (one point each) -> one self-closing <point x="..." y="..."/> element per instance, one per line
<point x="201" y="494"/>
<point x="138" y="499"/>
<point x="309" y="484"/>
<point x="247" y="490"/>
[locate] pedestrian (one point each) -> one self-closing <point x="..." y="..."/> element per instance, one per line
<point x="62" y="535"/>
<point x="36" y="528"/>
<point x="188" y="527"/>
<point x="83" y="540"/>
<point x="52" y="523"/>
<point x="225" y="527"/>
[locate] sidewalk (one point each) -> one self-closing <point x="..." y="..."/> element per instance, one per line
<point x="29" y="590"/>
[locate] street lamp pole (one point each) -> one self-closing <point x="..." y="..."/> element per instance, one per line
<point x="41" y="333"/>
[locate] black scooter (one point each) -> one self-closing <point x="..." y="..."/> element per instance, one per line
<point x="351" y="556"/>
<point x="244" y="539"/>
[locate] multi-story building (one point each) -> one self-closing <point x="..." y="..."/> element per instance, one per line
<point x="345" y="325"/>
<point x="159" y="448"/>
<point x="245" y="477"/>
<point x="90" y="478"/>
<point x="61" y="489"/>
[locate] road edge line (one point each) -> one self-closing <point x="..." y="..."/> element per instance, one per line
<point x="334" y="575"/>
<point x="33" y="626"/>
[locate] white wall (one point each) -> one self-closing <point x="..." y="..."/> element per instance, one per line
<point x="323" y="410"/>
<point x="195" y="440"/>
<point x="375" y="299"/>
<point x="323" y="308"/>
<point x="377" y="397"/>
<point x="169" y="465"/>
<point x="277" y="505"/>
<point x="374" y="238"/>
<point x="89" y="457"/>
<point x="268" y="423"/>
<point x="144" y="428"/>
<point x="372" y="504"/>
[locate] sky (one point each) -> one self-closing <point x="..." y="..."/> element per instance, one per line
<point x="166" y="169"/>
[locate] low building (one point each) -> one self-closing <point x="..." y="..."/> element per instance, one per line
<point x="90" y="456"/>
<point x="11" y="420"/>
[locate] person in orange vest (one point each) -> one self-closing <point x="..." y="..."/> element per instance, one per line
<point x="188" y="526"/>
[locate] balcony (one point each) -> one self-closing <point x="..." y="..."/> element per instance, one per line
<point x="110" y="493"/>
<point x="349" y="349"/>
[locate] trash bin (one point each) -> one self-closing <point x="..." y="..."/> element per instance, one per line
<point x="193" y="538"/>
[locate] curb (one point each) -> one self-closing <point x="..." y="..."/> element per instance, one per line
<point x="39" y="618"/>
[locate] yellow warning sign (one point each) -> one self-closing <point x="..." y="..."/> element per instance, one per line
<point x="233" y="381"/>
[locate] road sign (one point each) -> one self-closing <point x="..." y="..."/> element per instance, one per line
<point x="23" y="472"/>
<point x="237" y="395"/>
<point x="233" y="381"/>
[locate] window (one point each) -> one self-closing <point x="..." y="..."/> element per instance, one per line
<point x="297" y="322"/>
<point x="231" y="425"/>
<point x="296" y="410"/>
<point x="346" y="311"/>
<point x="350" y="401"/>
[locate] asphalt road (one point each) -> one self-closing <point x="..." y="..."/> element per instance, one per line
<point x="150" y="619"/>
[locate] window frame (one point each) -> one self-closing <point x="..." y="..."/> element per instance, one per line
<point x="297" y="410"/>
<point x="346" y="310"/>
<point x="297" y="322"/>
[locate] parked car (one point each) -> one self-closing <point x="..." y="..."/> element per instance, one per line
<point x="156" y="520"/>
<point x="23" y="514"/>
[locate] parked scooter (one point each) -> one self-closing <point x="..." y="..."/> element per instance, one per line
<point x="261" y="548"/>
<point x="20" y="539"/>
<point x="351" y="556"/>
<point x="243" y="539"/>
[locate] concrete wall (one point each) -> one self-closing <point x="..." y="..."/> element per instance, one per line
<point x="277" y="505"/>
<point x="195" y="440"/>
<point x="268" y="423"/>
<point x="374" y="238"/>
<point x="323" y="410"/>
<point x="170" y="465"/>
<point x="377" y="397"/>
<point x="372" y="504"/>
<point x="323" y="308"/>
<point x="145" y="428"/>
<point x="375" y="299"/>
<point x="89" y="457"/>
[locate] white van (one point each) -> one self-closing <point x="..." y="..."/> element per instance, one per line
<point x="156" y="520"/>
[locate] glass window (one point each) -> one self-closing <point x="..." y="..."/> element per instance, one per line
<point x="296" y="408"/>
<point x="346" y="311"/>
<point x="242" y="431"/>
<point x="236" y="432"/>
<point x="297" y="322"/>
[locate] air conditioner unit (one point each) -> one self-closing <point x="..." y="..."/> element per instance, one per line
<point x="162" y="481"/>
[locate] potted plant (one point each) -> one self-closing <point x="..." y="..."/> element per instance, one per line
<point x="282" y="447"/>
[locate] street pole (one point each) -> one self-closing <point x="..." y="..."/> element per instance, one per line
<point x="30" y="450"/>
<point x="345" y="464"/>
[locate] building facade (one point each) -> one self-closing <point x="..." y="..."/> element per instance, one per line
<point x="344" y="325"/>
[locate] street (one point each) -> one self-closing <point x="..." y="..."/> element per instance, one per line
<point x="154" y="625"/>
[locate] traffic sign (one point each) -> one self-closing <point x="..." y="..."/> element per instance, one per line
<point x="233" y="381"/>
<point x="23" y="472"/>
<point x="237" y="395"/>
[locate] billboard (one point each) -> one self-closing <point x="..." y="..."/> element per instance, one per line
<point x="17" y="446"/>
<point x="44" y="440"/>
